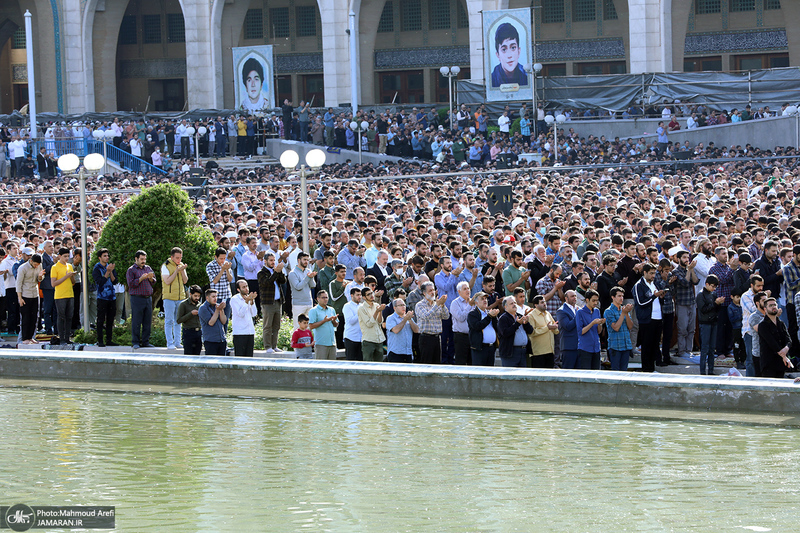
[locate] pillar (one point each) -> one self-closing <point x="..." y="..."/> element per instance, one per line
<point x="200" y="69"/>
<point x="336" y="51"/>
<point x="650" y="30"/>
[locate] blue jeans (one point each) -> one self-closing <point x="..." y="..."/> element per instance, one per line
<point x="171" y="327"/>
<point x="619" y="358"/>
<point x="708" y="340"/>
<point x="222" y="145"/>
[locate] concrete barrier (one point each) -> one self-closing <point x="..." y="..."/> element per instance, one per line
<point x="275" y="147"/>
<point x="763" y="133"/>
<point x="619" y="389"/>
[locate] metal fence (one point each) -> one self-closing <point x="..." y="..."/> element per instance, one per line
<point x="83" y="147"/>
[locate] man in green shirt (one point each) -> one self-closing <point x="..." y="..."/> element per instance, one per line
<point x="327" y="274"/>
<point x="458" y="149"/>
<point x="515" y="275"/>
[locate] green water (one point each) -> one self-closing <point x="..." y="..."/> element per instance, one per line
<point x="172" y="463"/>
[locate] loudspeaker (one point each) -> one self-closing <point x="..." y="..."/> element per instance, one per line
<point x="197" y="181"/>
<point x="501" y="199"/>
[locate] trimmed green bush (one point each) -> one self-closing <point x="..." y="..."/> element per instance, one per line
<point x="514" y="127"/>
<point x="155" y="221"/>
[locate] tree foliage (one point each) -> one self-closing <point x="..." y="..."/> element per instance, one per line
<point x="155" y="221"/>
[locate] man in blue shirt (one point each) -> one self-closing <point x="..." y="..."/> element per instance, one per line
<point x="212" y="323"/>
<point x="589" y="324"/>
<point x="446" y="281"/>
<point x="323" y="320"/>
<point x="400" y="327"/>
<point x="328" y="120"/>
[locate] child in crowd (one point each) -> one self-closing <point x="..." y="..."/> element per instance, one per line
<point x="707" y="313"/>
<point x="735" y="317"/>
<point x="303" y="339"/>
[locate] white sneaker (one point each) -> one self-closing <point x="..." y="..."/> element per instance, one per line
<point x="269" y="350"/>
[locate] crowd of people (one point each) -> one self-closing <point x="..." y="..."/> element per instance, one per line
<point x="589" y="267"/>
<point x="474" y="137"/>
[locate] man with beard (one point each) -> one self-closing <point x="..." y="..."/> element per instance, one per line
<point x="270" y="280"/>
<point x="491" y="267"/>
<point x="188" y="312"/>
<point x="775" y="342"/>
<point x="685" y="303"/>
<point x="606" y="281"/>
<point x="515" y="275"/>
<point x="769" y="268"/>
<point x="629" y="271"/>
<point x="704" y="260"/>
<point x="584" y="284"/>
<point x="432" y="266"/>
<point x="446" y="281"/>
<point x="471" y="274"/>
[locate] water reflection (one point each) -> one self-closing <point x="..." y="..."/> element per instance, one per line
<point x="199" y="463"/>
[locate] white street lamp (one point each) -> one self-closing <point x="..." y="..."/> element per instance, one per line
<point x="533" y="70"/>
<point x="450" y="73"/>
<point x="359" y="128"/>
<point x="314" y="159"/>
<point x="200" y="132"/>
<point x="69" y="163"/>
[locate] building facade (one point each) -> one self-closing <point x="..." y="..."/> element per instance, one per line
<point x="108" y="55"/>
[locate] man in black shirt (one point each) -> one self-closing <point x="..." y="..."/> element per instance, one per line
<point x="775" y="342"/>
<point x="287" y="110"/>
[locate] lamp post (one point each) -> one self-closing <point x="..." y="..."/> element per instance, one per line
<point x="190" y="131"/>
<point x="356" y="127"/>
<point x="533" y="70"/>
<point x="69" y="163"/>
<point x="314" y="159"/>
<point x="558" y="120"/>
<point x="450" y="73"/>
<point x="199" y="133"/>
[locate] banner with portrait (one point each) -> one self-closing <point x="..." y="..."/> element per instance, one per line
<point x="253" y="78"/>
<point x="507" y="48"/>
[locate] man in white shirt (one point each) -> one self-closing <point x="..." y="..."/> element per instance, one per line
<point x="17" y="153"/>
<point x="705" y="260"/>
<point x="352" y="329"/>
<point x="243" y="309"/>
<point x="182" y="135"/>
<point x="503" y="122"/>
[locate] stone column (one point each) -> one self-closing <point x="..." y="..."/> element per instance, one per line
<point x="335" y="51"/>
<point x="200" y="70"/>
<point x="75" y="88"/>
<point x="650" y="30"/>
<point x="476" y="45"/>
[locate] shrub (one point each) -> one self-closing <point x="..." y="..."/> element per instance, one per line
<point x="122" y="334"/>
<point x="514" y="127"/>
<point x="155" y="221"/>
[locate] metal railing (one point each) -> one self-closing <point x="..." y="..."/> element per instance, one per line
<point x="84" y="147"/>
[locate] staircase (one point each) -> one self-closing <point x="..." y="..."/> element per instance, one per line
<point x="254" y="163"/>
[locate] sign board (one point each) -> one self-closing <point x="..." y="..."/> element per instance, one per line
<point x="500" y="199"/>
<point x="253" y="75"/>
<point x="507" y="47"/>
